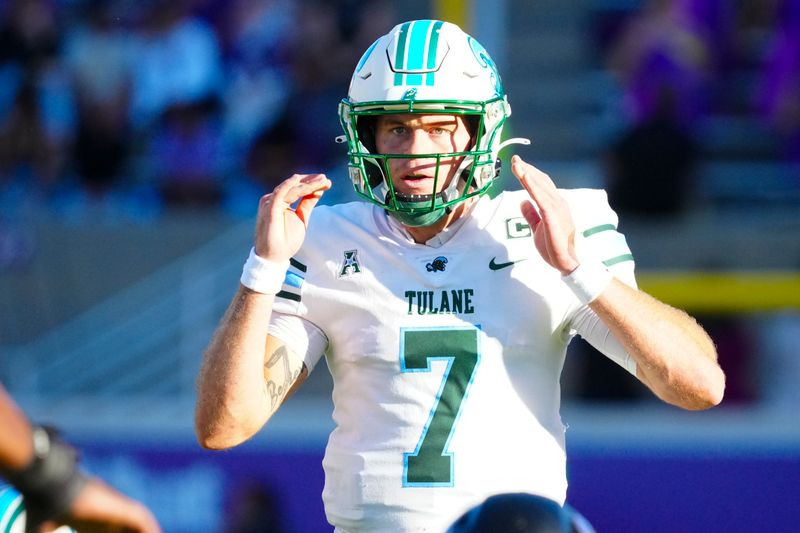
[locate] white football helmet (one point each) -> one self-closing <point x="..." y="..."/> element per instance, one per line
<point x="425" y="67"/>
<point x="13" y="514"/>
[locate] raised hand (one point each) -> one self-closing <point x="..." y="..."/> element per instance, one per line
<point x="280" y="230"/>
<point x="549" y="217"/>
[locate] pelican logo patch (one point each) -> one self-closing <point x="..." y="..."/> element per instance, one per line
<point x="350" y="264"/>
<point x="437" y="265"/>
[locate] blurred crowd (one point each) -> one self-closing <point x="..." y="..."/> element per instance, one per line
<point x="150" y="104"/>
<point x="145" y="104"/>
<point x="679" y="63"/>
<point x="127" y="108"/>
<point x="696" y="81"/>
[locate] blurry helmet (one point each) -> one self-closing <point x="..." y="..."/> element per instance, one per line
<point x="424" y="67"/>
<point x="12" y="512"/>
<point x="521" y="513"/>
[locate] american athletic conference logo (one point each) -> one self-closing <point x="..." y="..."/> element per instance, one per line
<point x="437" y="265"/>
<point x="350" y="265"/>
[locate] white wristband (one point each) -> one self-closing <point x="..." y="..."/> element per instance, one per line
<point x="588" y="281"/>
<point x="262" y="275"/>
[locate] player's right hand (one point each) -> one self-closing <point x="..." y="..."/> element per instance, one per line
<point x="552" y="224"/>
<point x="280" y="230"/>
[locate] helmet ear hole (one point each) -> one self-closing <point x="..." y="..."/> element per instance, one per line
<point x="472" y="123"/>
<point x="374" y="172"/>
<point x="365" y="126"/>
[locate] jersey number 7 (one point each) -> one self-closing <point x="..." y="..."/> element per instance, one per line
<point x="430" y="464"/>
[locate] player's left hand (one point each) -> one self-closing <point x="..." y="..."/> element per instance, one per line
<point x="552" y="225"/>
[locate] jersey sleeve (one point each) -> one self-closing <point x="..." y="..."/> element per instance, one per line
<point x="596" y="235"/>
<point x="598" y="240"/>
<point x="301" y="336"/>
<point x="289" y="299"/>
<point x="290" y="321"/>
<point x="588" y="325"/>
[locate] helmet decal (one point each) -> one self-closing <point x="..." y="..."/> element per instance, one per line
<point x="410" y="95"/>
<point x="485" y="60"/>
<point x="417" y="53"/>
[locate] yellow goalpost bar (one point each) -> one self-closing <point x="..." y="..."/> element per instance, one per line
<point x="724" y="292"/>
<point x="455" y="11"/>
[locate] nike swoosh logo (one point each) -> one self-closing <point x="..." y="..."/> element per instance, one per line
<point x="498" y="266"/>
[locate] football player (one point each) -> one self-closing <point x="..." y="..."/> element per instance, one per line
<point x="443" y="314"/>
<point x="49" y="489"/>
<point x="14" y="517"/>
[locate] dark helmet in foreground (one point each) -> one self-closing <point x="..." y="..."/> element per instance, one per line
<point x="521" y="513"/>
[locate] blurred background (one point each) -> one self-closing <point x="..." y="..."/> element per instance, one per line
<point x="137" y="136"/>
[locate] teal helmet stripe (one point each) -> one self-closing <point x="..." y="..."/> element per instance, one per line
<point x="432" y="49"/>
<point x="400" y="53"/>
<point x="14" y="516"/>
<point x="7" y="497"/>
<point x="417" y="46"/>
<point x="416" y="50"/>
<point x="11" y="506"/>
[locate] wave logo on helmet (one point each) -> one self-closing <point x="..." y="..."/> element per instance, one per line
<point x="485" y="60"/>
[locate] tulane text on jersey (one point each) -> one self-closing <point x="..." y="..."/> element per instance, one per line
<point x="454" y="301"/>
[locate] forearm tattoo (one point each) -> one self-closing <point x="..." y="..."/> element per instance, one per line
<point x="279" y="375"/>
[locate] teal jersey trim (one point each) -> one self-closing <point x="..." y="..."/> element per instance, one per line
<point x="599" y="229"/>
<point x="619" y="259"/>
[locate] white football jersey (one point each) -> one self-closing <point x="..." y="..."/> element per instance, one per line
<point x="445" y="359"/>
